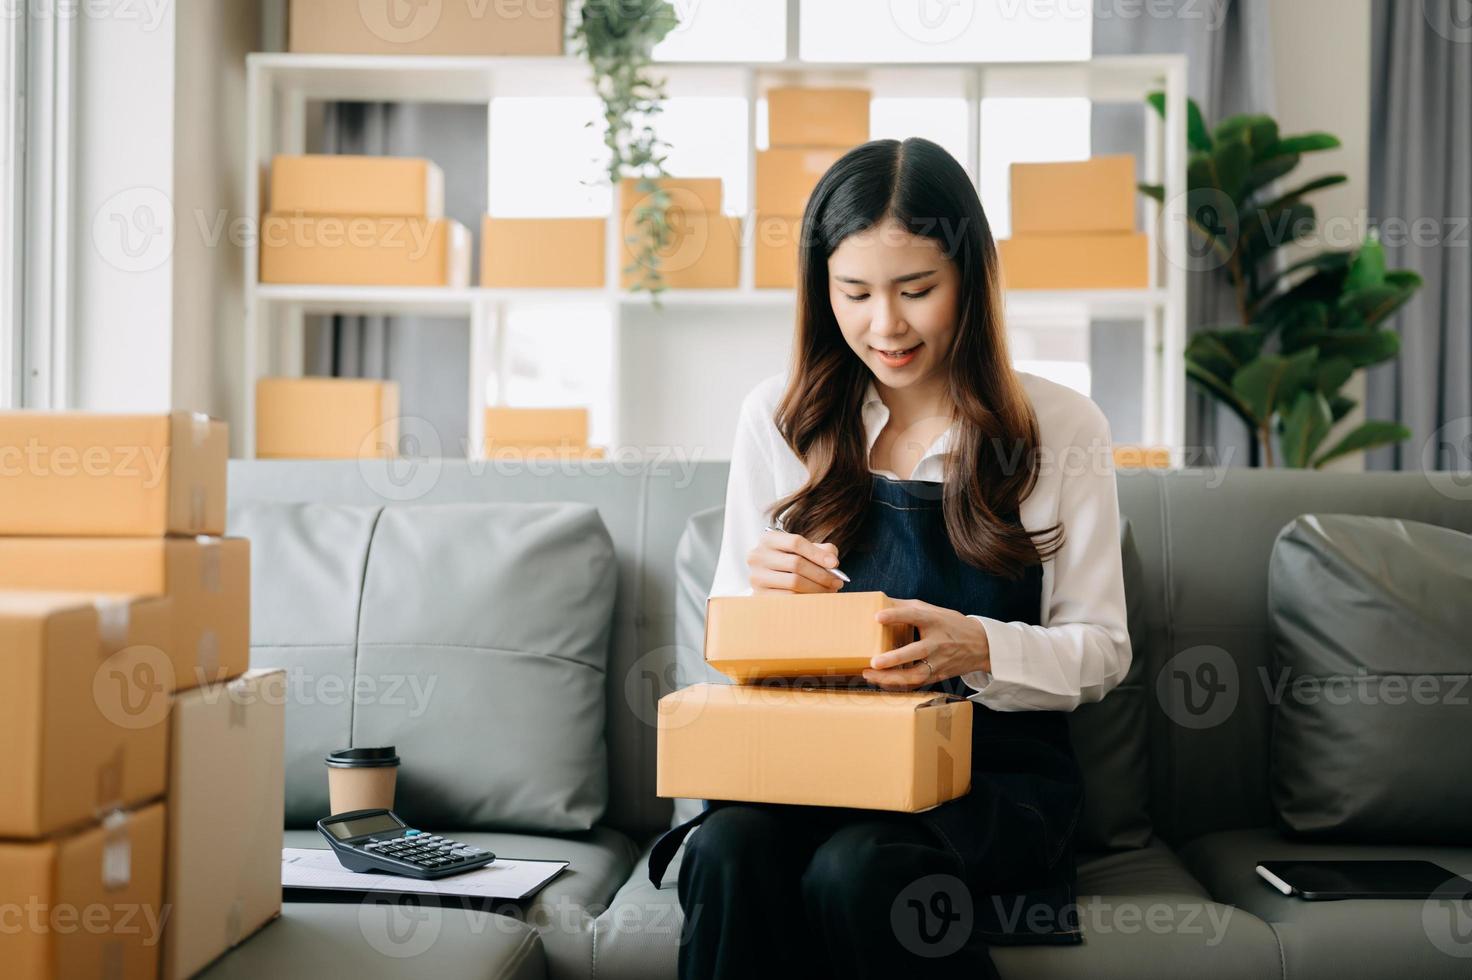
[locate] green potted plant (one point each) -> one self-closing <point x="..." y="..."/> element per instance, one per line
<point x="1302" y="332"/>
<point x="617" y="39"/>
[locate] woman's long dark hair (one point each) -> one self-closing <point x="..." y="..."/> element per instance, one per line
<point x="993" y="463"/>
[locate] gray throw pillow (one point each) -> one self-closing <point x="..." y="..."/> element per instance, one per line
<point x="1371" y="719"/>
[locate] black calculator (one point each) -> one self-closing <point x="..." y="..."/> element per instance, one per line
<point x="377" y="840"/>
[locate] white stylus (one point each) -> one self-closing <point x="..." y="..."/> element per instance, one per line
<point x="778" y="527"/>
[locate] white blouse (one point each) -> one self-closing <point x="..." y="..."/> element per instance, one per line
<point x="1082" y="649"/>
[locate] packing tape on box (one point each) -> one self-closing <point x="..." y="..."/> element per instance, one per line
<point x="207" y="656"/>
<point x="117" y="851"/>
<point x="114" y="962"/>
<point x="946" y="781"/>
<point x="199" y="428"/>
<point x="197" y="508"/>
<point x="113" y="616"/>
<point x="210" y="576"/>
<point x="110" y="782"/>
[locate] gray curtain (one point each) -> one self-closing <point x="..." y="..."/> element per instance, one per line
<point x="427" y="356"/>
<point x="1228" y="47"/>
<point x="1421" y="176"/>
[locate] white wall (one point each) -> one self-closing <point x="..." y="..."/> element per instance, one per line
<point x="159" y="135"/>
<point x="1321" y="56"/>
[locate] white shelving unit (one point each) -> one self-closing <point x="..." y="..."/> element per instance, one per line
<point x="281" y="85"/>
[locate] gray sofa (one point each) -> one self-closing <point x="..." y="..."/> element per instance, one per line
<point x="552" y="609"/>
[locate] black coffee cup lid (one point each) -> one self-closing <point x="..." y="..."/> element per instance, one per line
<point x="363" y="758"/>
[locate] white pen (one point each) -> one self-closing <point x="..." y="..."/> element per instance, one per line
<point x="778" y="527"/>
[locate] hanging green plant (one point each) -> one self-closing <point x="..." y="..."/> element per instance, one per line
<point x="617" y="39"/>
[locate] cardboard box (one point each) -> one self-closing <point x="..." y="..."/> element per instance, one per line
<point x="785" y="176"/>
<point x="86" y="905"/>
<point x="90" y="473"/>
<point x="455" y="27"/>
<point x="687" y="193"/>
<point x="1096" y="195"/>
<point x="551" y="253"/>
<point x="875" y="750"/>
<point x="364" y="250"/>
<point x="208" y="579"/>
<point x="83" y="717"/>
<point x="1105" y="261"/>
<point x="529" y="427"/>
<point x="226" y="785"/>
<point x="817" y="117"/>
<point x="325" y="183"/>
<point x="801" y="635"/>
<point x="776" y="251"/>
<point x="1142" y="457"/>
<point x="704" y="252"/>
<point x="326" y="418"/>
<point x="497" y="453"/>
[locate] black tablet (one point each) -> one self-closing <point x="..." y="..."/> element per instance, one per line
<point x="1322" y="880"/>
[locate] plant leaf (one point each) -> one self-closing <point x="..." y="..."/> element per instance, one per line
<point x="1197" y="136"/>
<point x="1368" y="267"/>
<point x="1307" y="143"/>
<point x="1362" y="348"/>
<point x="1328" y="180"/>
<point x="1366" y="436"/>
<point x="1340" y="406"/>
<point x="1267" y="170"/>
<point x="1332" y="373"/>
<point x="1271" y="382"/>
<point x="1156" y="191"/>
<point x="1305" y="425"/>
<point x="1231" y="162"/>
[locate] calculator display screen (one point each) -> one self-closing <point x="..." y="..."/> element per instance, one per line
<point x="344" y="829"/>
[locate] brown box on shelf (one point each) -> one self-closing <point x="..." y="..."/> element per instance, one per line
<point x="97" y="896"/>
<point x="852" y="747"/>
<point x="94" y="473"/>
<point x="84" y="724"/>
<point x="225" y="785"/>
<point x="324" y="183"/>
<point x="817" y="116"/>
<point x="364" y="250"/>
<point x="207" y="578"/>
<point x="326" y="418"/>
<point x="750" y="637"/>
<point x="455" y="27"/>
<point x="1094" y="195"/>
<point x="1119" y="260"/>
<point x="528" y="427"/>
<point x="704" y="252"/>
<point x="550" y="253"/>
<point x="786" y="175"/>
<point x="775" y="242"/>
<point x="685" y="193"/>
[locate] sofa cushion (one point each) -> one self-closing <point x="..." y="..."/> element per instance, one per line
<point x="306" y="577"/>
<point x="1142" y="914"/>
<point x="1370" y="619"/>
<point x="482" y="652"/>
<point x="1350" y="939"/>
<point x="1109" y="736"/>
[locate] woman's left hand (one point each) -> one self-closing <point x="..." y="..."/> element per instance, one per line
<point x="953" y="643"/>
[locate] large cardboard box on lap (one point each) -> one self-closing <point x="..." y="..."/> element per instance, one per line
<point x="112" y="474"/>
<point x="849" y="747"/>
<point x="208" y="579"/>
<point x="226" y="796"/>
<point x="83" y="715"/>
<point x="820" y="635"/>
<point x="87" y="905"/>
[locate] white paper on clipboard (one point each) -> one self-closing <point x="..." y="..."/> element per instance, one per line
<point x="505" y="878"/>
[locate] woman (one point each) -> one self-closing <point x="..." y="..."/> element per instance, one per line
<point x="906" y="451"/>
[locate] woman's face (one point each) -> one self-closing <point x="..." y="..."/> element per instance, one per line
<point x="894" y="295"/>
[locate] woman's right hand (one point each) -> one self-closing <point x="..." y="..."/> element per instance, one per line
<point x="787" y="562"/>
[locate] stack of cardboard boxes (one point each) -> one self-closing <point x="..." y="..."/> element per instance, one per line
<point x="808" y="129"/>
<point x="704" y="251"/>
<point x="784" y="734"/>
<point x="523" y="432"/>
<point x="1073" y="227"/>
<point x="141" y="793"/>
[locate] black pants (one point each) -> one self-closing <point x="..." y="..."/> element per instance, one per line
<point x="772" y="891"/>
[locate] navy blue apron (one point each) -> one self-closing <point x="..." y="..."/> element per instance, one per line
<point x="1013" y="832"/>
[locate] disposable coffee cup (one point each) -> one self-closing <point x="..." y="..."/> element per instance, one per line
<point x="362" y="779"/>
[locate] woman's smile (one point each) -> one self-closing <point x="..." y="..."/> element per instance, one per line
<point x="897" y="358"/>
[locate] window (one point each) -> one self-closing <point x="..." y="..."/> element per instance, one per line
<point x="12" y="61"/>
<point x="557" y="355"/>
<point x="727" y="30"/>
<point x="946" y="30"/>
<point x="561" y="177"/>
